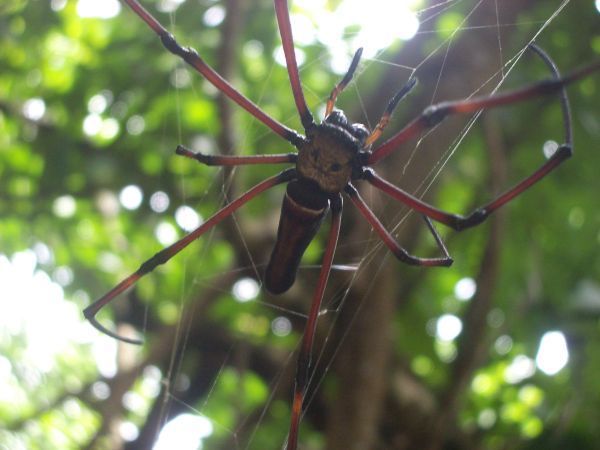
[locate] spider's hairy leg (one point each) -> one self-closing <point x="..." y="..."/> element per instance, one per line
<point x="190" y="56"/>
<point x="227" y="160"/>
<point x="389" y="240"/>
<point x="287" y="39"/>
<point x="343" y="83"/>
<point x="168" y="252"/>
<point x="434" y="114"/>
<point x="304" y="357"/>
<point x="387" y="114"/>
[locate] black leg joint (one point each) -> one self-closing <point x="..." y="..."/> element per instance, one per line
<point x="473" y="219"/>
<point x="158" y="259"/>
<point x="433" y="115"/>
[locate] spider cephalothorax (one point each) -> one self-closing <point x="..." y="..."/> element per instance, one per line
<point x="330" y="156"/>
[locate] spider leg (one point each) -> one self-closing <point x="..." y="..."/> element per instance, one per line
<point x="434" y="114"/>
<point x="190" y="56"/>
<point x="227" y="160"/>
<point x="457" y="221"/>
<point x="168" y="252"/>
<point x="387" y="114"/>
<point x="343" y="83"/>
<point x="389" y="240"/>
<point x="287" y="39"/>
<point x="303" y="365"/>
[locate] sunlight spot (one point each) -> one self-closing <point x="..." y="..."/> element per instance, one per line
<point x="133" y="401"/>
<point x="553" y="353"/>
<point x="100" y="390"/>
<point x="63" y="275"/>
<point x="57" y="5"/>
<point x="549" y="148"/>
<point x="95" y="9"/>
<point x="598" y="5"/>
<point x="253" y="49"/>
<point x="168" y="6"/>
<point x="279" y="56"/>
<point x="128" y="431"/>
<point x="379" y="23"/>
<point x="245" y="289"/>
<point x="281" y="326"/>
<point x="487" y="418"/>
<point x="180" y="78"/>
<point x="503" y="344"/>
<point x="214" y="16"/>
<point x="97" y="104"/>
<point x="34" y="108"/>
<point x="165" y="233"/>
<point x="43" y="253"/>
<point x="304" y="30"/>
<point x="131" y="197"/>
<point x="159" y="201"/>
<point x="35" y="311"/>
<point x="107" y="203"/>
<point x="485" y="385"/>
<point x="135" y="125"/>
<point x="64" y="206"/>
<point x="520" y="368"/>
<point x="109" y="262"/>
<point x="184" y="432"/>
<point x="465" y="288"/>
<point x="151" y="381"/>
<point x="448" y="327"/>
<point x="187" y="218"/>
<point x="92" y="124"/>
<point x="445" y="350"/>
<point x="104" y="350"/>
<point x="109" y="129"/>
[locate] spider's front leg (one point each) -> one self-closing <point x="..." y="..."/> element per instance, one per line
<point x="169" y="252"/>
<point x="436" y="113"/>
<point x="191" y="56"/>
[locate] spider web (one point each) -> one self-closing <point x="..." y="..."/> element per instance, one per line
<point x="417" y="168"/>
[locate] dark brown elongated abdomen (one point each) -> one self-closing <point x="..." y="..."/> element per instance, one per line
<point x="304" y="207"/>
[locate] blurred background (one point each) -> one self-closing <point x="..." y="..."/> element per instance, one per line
<point x="500" y="351"/>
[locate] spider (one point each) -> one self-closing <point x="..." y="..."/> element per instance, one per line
<point x="330" y="158"/>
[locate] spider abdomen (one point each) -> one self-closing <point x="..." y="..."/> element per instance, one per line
<point x="303" y="209"/>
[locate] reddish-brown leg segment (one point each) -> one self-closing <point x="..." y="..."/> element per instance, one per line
<point x="304" y="357"/>
<point x="226" y="160"/>
<point x="287" y="39"/>
<point x="434" y="114"/>
<point x="459" y="222"/>
<point x="343" y="83"/>
<point x="167" y="253"/>
<point x="389" y="240"/>
<point x="190" y="56"/>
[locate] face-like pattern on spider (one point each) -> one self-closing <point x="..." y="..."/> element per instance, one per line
<point x="330" y="155"/>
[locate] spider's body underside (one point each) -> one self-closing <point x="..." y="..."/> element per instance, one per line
<point x="333" y="153"/>
<point x="333" y="156"/>
<point x="328" y="159"/>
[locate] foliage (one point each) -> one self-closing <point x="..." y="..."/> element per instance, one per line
<point x="89" y="106"/>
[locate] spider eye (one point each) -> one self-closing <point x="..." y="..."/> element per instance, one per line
<point x="335" y="167"/>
